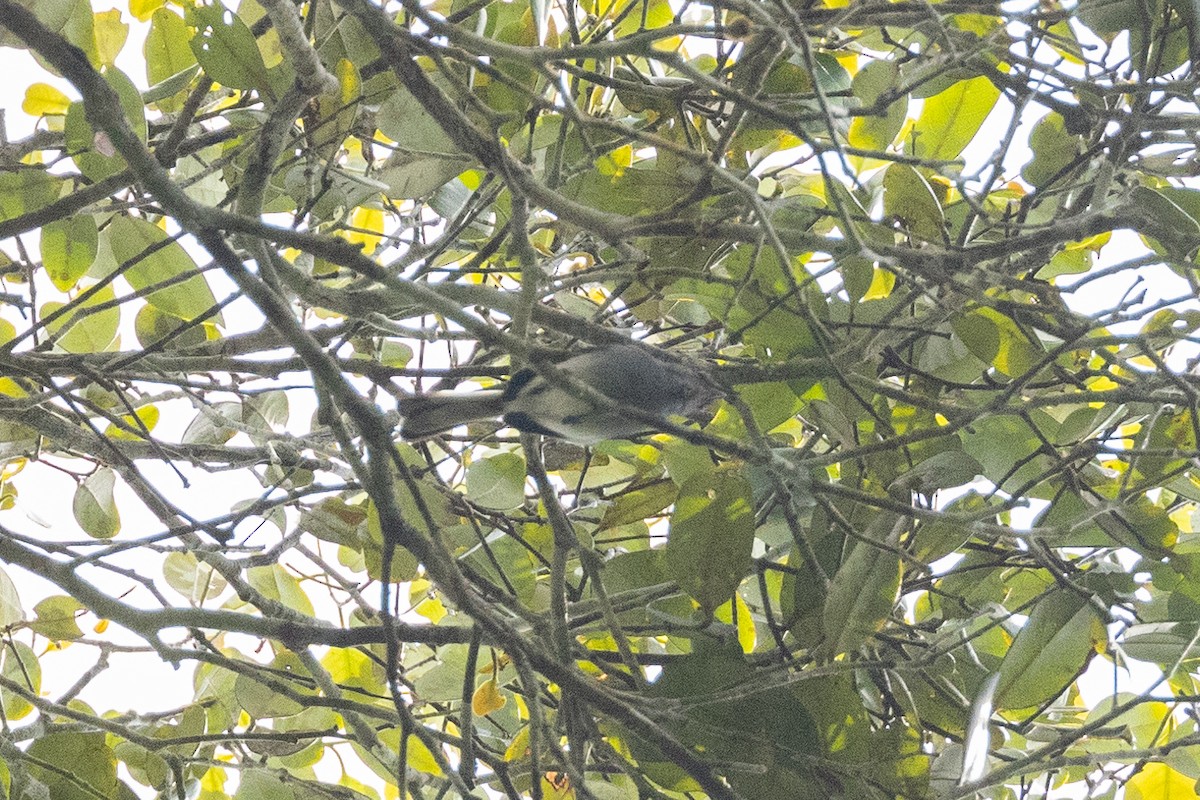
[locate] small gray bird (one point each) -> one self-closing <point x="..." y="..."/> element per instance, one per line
<point x="633" y="377"/>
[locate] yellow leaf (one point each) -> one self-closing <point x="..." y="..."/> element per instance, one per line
<point x="142" y="10"/>
<point x="147" y="418"/>
<point x="519" y="747"/>
<point x="367" y="227"/>
<point x="42" y="99"/>
<point x="1159" y="782"/>
<point x="213" y="780"/>
<point x="882" y="283"/>
<point x="420" y="759"/>
<point x="488" y="698"/>
<point x="111" y="34"/>
<point x="11" y="388"/>
<point x="747" y="636"/>
<point x="101" y="626"/>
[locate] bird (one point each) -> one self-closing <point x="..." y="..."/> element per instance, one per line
<point x="632" y="377"/>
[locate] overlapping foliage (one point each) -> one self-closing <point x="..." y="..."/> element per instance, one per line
<point x="942" y="255"/>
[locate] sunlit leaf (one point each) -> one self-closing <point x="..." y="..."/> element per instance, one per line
<point x="69" y="248"/>
<point x="950" y="119"/>
<point x="42" y="99"/>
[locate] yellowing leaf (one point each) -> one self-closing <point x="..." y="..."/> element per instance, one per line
<point x="488" y="698"/>
<point x="747" y="636"/>
<point x="420" y="759"/>
<point x="111" y="34"/>
<point x="366" y="228"/>
<point x="519" y="748"/>
<point x="143" y="9"/>
<point x="1157" y="781"/>
<point x="882" y="283"/>
<point x="11" y="388"/>
<point x="147" y="418"/>
<point x="42" y="99"/>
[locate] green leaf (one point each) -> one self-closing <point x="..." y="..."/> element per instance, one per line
<point x="75" y="766"/>
<point x="145" y="767"/>
<point x="864" y="592"/>
<point x="71" y="19"/>
<point x="937" y="538"/>
<point x="24" y="191"/>
<point x="1163" y="643"/>
<point x="636" y="190"/>
<point x="167" y="49"/>
<point x="950" y="119"/>
<point x="711" y="536"/>
<point x="333" y="520"/>
<point x="262" y="784"/>
<point x="908" y="197"/>
<point x="497" y="482"/>
<point x="194" y="580"/>
<point x="637" y="504"/>
<point x="1179" y="228"/>
<point x="206" y="427"/>
<point x="151" y="259"/>
<point x="11" y="610"/>
<point x="69" y="248"/>
<point x="944" y="470"/>
<point x="92" y="150"/>
<point x="1050" y="650"/>
<point x="878" y="130"/>
<point x="1107" y="18"/>
<point x="276" y="583"/>
<point x="94" y="506"/>
<point x="261" y="700"/>
<point x="21" y="666"/>
<point x="56" y="618"/>
<point x="1053" y="149"/>
<point x="226" y="49"/>
<point x="996" y="339"/>
<point x="82" y="330"/>
<point x="152" y="326"/>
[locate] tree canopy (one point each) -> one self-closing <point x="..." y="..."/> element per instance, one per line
<point x="941" y="256"/>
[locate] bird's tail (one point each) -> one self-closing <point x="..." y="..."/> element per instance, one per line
<point x="430" y="414"/>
